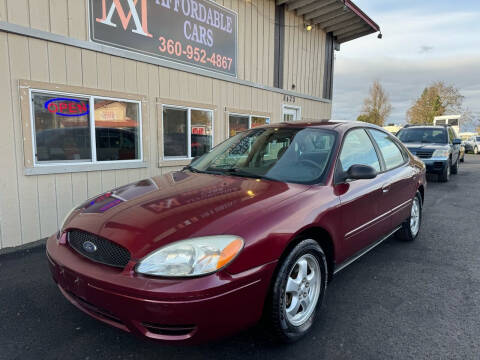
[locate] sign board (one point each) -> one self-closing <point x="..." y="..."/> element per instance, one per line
<point x="200" y="33"/>
<point x="67" y="107"/>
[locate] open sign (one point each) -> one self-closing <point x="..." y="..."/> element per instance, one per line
<point x="67" y="107"/>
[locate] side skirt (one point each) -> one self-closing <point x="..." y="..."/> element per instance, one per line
<point x="363" y="252"/>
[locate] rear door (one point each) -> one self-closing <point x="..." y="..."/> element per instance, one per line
<point x="362" y="218"/>
<point x="398" y="188"/>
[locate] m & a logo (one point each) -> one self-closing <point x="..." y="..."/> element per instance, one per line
<point x="141" y="24"/>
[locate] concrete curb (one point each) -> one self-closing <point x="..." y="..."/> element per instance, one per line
<point x="27" y="248"/>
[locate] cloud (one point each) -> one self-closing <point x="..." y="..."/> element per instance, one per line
<point x="404" y="80"/>
<point x="425" y="49"/>
<point x="418" y="48"/>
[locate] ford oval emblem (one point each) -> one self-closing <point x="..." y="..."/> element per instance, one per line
<point x="89" y="247"/>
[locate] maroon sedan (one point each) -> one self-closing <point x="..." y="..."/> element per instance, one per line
<point x="256" y="227"/>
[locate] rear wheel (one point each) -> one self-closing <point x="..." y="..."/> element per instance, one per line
<point x="445" y="175"/>
<point x="411" y="227"/>
<point x="298" y="291"/>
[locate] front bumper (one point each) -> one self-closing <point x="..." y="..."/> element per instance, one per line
<point x="435" y="165"/>
<point x="181" y="310"/>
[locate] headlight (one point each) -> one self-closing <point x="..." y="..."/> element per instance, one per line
<point x="66" y="218"/>
<point x="441" y="153"/>
<point x="193" y="257"/>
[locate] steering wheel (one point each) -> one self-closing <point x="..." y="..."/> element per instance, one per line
<point x="311" y="162"/>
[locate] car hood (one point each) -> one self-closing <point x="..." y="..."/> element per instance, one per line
<point x="150" y="213"/>
<point x="432" y="146"/>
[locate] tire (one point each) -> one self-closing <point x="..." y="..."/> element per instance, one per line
<point x="445" y="175"/>
<point x="411" y="227"/>
<point x="454" y="169"/>
<point x="289" y="326"/>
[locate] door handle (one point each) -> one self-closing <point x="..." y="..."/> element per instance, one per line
<point x="386" y="188"/>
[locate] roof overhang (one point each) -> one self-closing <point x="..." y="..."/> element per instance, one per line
<point x="345" y="20"/>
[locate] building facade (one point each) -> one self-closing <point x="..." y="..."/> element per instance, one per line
<point x="99" y="93"/>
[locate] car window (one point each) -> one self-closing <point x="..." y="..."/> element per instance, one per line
<point x="358" y="150"/>
<point x="478" y="138"/>
<point x="451" y="135"/>
<point x="423" y="135"/>
<point x="390" y="151"/>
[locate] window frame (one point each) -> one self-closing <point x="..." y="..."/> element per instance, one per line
<point x="249" y="115"/>
<point x="91" y="121"/>
<point x="189" y="130"/>
<point x="379" y="151"/>
<point x="337" y="171"/>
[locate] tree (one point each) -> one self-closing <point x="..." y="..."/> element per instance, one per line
<point x="376" y="107"/>
<point x="436" y="100"/>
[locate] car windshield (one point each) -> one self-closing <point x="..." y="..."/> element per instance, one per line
<point x="298" y="155"/>
<point x="423" y="135"/>
<point x="478" y="138"/>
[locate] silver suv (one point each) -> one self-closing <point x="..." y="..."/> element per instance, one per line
<point x="472" y="144"/>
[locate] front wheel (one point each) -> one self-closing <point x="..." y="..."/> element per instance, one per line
<point x="298" y="291"/>
<point x="455" y="166"/>
<point x="411" y="227"/>
<point x="445" y="175"/>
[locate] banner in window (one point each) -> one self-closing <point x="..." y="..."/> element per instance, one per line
<point x="195" y="32"/>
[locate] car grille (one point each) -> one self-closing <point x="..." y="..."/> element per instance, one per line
<point x="424" y="154"/>
<point x="107" y="252"/>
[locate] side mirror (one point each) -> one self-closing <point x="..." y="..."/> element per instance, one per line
<point x="358" y="172"/>
<point x="457" y="141"/>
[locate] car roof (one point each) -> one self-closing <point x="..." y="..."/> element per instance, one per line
<point x="425" y="127"/>
<point x="338" y="125"/>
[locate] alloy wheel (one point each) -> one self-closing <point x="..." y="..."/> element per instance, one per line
<point x="302" y="290"/>
<point x="415" y="217"/>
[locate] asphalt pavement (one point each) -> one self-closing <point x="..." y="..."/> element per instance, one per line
<point x="417" y="300"/>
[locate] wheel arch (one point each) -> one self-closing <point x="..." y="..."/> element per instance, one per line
<point x="421" y="189"/>
<point x="322" y="237"/>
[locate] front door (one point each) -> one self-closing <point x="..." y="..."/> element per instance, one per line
<point x="291" y="113"/>
<point x="362" y="219"/>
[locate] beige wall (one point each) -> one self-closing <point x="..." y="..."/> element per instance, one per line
<point x="304" y="57"/>
<point x="32" y="207"/>
<point x="304" y="50"/>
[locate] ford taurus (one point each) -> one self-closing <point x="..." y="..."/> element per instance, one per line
<point x="255" y="228"/>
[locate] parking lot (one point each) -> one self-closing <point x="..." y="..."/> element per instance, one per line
<point x="402" y="300"/>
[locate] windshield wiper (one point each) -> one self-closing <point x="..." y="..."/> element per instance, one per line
<point x="242" y="173"/>
<point x="192" y="169"/>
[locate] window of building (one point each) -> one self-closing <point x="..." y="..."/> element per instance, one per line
<point x="291" y="113"/>
<point x="187" y="132"/>
<point x="238" y="122"/>
<point x="82" y="129"/>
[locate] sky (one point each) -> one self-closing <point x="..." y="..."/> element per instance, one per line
<point x="423" y="41"/>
